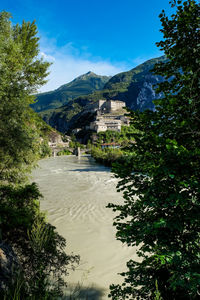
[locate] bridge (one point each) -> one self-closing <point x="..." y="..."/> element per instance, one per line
<point x="77" y="151"/>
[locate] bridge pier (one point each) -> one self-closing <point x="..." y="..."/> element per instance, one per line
<point x="78" y="152"/>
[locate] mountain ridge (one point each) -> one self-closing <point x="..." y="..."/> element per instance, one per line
<point x="134" y="87"/>
<point x="82" y="85"/>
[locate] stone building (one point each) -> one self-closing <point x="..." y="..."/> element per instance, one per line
<point x="113" y="105"/>
<point x="54" y="138"/>
<point x="108" y="106"/>
<point x="109" y="115"/>
<point x="103" y="125"/>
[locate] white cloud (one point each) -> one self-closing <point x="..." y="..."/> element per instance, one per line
<point x="70" y="62"/>
<point x="47" y="57"/>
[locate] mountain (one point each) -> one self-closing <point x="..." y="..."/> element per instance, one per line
<point x="134" y="87"/>
<point x="82" y="85"/>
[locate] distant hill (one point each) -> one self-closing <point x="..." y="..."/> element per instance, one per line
<point x="135" y="87"/>
<point x="82" y="85"/>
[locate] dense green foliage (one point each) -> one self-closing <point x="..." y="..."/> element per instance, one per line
<point x="74" y="144"/>
<point x="61" y="118"/>
<point x="21" y="73"/>
<point x="160" y="182"/>
<point x="45" y="150"/>
<point x="106" y="156"/>
<point x="64" y="152"/>
<point x="82" y="85"/>
<point x="44" y="131"/>
<point x="123" y="139"/>
<point x="41" y="261"/>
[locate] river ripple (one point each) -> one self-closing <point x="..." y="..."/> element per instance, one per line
<point x="76" y="192"/>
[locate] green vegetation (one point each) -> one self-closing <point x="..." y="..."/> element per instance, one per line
<point x="37" y="245"/>
<point x="109" y="155"/>
<point x="125" y="86"/>
<point x="106" y="156"/>
<point x="44" y="131"/>
<point x="123" y="137"/>
<point x="45" y="150"/>
<point x="75" y="144"/>
<point x="41" y="262"/>
<point x="21" y="74"/>
<point x="82" y="85"/>
<point x="64" y="152"/>
<point x="61" y="117"/>
<point x="160" y="182"/>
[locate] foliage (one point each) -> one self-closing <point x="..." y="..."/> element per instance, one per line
<point x="125" y="86"/>
<point x="82" y="85"/>
<point x="19" y="206"/>
<point x="45" y="150"/>
<point x="21" y="72"/>
<point x="106" y="156"/>
<point x="157" y="293"/>
<point x="39" y="248"/>
<point x="44" y="131"/>
<point x="108" y="136"/>
<point x="75" y="144"/>
<point x="61" y="117"/>
<point x="64" y="152"/>
<point x="160" y="182"/>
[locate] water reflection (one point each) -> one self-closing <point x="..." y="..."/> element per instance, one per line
<point x="84" y="293"/>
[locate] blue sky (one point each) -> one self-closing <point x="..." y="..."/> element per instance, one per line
<point x="103" y="36"/>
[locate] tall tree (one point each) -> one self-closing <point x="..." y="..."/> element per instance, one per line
<point x="21" y="73"/>
<point x="160" y="179"/>
<point x="41" y="260"/>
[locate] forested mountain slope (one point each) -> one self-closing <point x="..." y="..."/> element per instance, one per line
<point x="135" y="87"/>
<point x="82" y="85"/>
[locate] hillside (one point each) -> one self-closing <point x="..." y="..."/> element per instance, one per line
<point x="82" y="85"/>
<point x="135" y="87"/>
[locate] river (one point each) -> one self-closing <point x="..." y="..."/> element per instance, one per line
<point x="76" y="192"/>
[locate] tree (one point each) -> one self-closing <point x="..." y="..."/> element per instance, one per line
<point x="21" y="73"/>
<point x="40" y="250"/>
<point x="160" y="181"/>
<point x="41" y="260"/>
